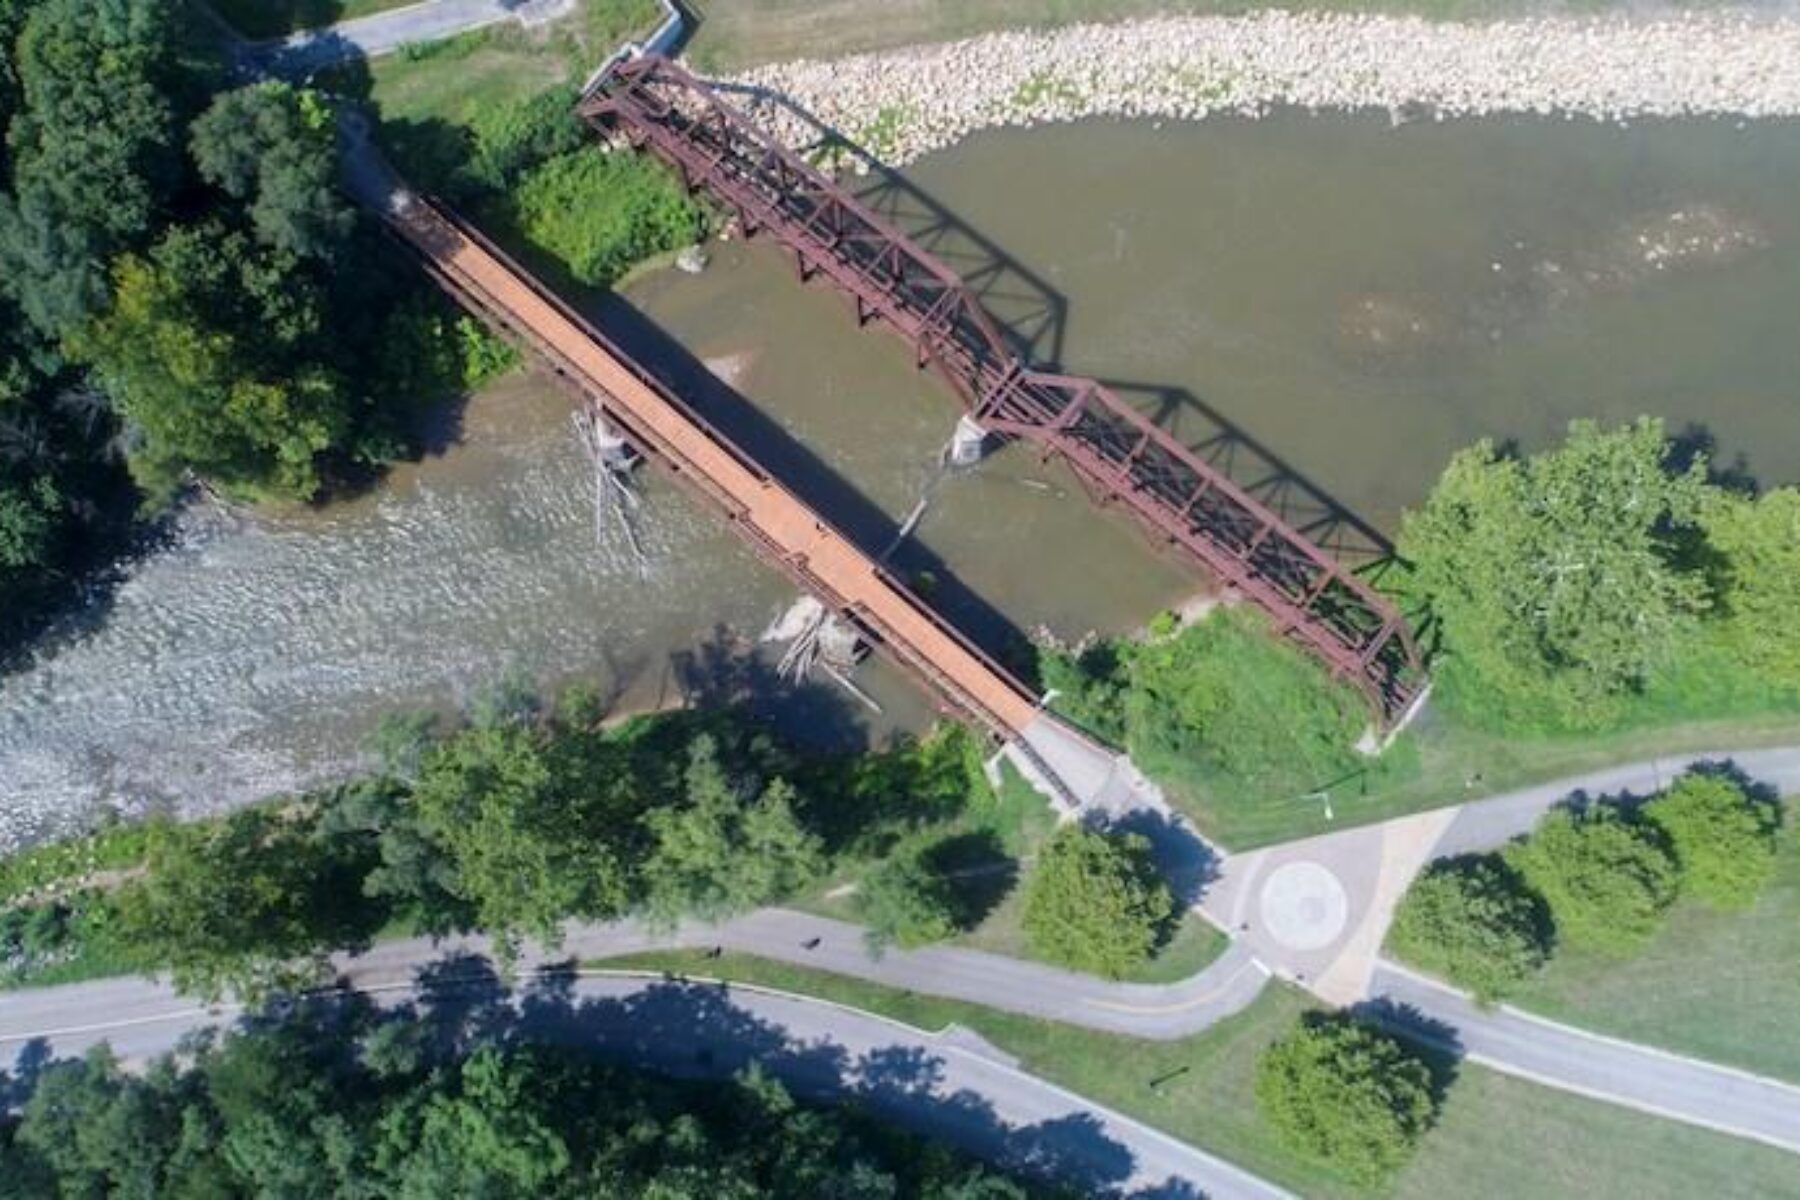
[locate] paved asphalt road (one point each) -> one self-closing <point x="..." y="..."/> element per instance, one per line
<point x="384" y="32"/>
<point x="949" y="1084"/>
<point x="1546" y="1052"/>
<point x="1485" y="824"/>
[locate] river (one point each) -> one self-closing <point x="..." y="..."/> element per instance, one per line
<point x="1328" y="304"/>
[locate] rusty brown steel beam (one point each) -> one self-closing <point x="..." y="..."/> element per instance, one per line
<point x="662" y="108"/>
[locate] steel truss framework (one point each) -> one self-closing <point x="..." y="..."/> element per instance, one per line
<point x="1120" y="456"/>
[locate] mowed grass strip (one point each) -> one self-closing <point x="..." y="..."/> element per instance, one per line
<point x="1455" y="765"/>
<point x="1498" y="1136"/>
<point x="1720" y="986"/>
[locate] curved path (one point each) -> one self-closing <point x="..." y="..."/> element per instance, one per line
<point x="1603" y="1068"/>
<point x="1289" y="913"/>
<point x="947" y="1084"/>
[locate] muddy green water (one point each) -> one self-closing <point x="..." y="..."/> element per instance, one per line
<point x="1356" y="300"/>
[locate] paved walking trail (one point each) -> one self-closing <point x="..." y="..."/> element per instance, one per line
<point x="1560" y="1056"/>
<point x="309" y="50"/>
<point x="947" y="1084"/>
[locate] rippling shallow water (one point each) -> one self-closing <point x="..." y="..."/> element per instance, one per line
<point x="1360" y="300"/>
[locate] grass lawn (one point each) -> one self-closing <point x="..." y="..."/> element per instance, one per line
<point x="1498" y="1137"/>
<point x="258" y="19"/>
<point x="1720" y="986"/>
<point x="1448" y="757"/>
<point x="1018" y="822"/>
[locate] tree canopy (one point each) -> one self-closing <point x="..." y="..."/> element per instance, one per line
<point x="1757" y="542"/>
<point x="242" y="906"/>
<point x="733" y="845"/>
<point x="1723" y="835"/>
<point x="210" y="351"/>
<point x="1096" y="902"/>
<point x="1606" y="877"/>
<point x="906" y="901"/>
<point x="336" y="1101"/>
<point x="1558" y="579"/>
<point x="274" y="146"/>
<point x="1347" y="1095"/>
<point x="1475" y="922"/>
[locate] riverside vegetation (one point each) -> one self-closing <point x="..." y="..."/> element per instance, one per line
<point x="519" y="822"/>
<point x="1602" y="586"/>
<point x="185" y="298"/>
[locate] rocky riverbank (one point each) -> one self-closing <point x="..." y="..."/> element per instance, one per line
<point x="902" y="104"/>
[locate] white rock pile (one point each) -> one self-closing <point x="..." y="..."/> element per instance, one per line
<point x="905" y="103"/>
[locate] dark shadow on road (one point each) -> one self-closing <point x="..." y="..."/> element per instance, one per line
<point x="679" y="1028"/>
<point x="1437" y="1043"/>
<point x="1188" y="865"/>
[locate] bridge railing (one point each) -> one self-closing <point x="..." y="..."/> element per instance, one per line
<point x="436" y="234"/>
<point x="1119" y="454"/>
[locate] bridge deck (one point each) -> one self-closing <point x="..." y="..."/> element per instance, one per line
<point x="789" y="533"/>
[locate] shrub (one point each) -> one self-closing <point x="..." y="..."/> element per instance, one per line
<point x="508" y="139"/>
<point x="1606" y="879"/>
<point x="1345" y="1094"/>
<point x="1723" y="837"/>
<point x="1251" y="710"/>
<point x="908" y="902"/>
<point x="1473" y="921"/>
<point x="599" y="214"/>
<point x="1096" y="901"/>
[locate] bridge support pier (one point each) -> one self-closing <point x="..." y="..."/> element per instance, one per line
<point x="968" y="445"/>
<point x="610" y="451"/>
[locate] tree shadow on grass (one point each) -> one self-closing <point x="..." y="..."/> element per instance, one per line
<point x="1436" y="1043"/>
<point x="979" y="871"/>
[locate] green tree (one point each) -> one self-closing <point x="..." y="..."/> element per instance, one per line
<point x="1557" y="579"/>
<point x="1347" y="1095"/>
<point x="249" y="903"/>
<point x="1606" y="879"/>
<point x="50" y="267"/>
<point x="100" y="1131"/>
<point x="30" y="512"/>
<point x="97" y="129"/>
<point x="490" y="1137"/>
<point x="276" y="147"/>
<point x="907" y="901"/>
<point x="532" y="827"/>
<point x="207" y="351"/>
<point x="1473" y="921"/>
<point x="1096" y="902"/>
<point x="511" y="138"/>
<point x="729" y="848"/>
<point x="1758" y="543"/>
<point x="1723" y="836"/>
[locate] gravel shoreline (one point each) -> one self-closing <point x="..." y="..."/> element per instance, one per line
<point x="902" y="104"/>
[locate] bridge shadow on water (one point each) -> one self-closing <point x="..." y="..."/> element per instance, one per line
<point x="1033" y="318"/>
<point x="817" y="482"/>
<point x="689" y="1030"/>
